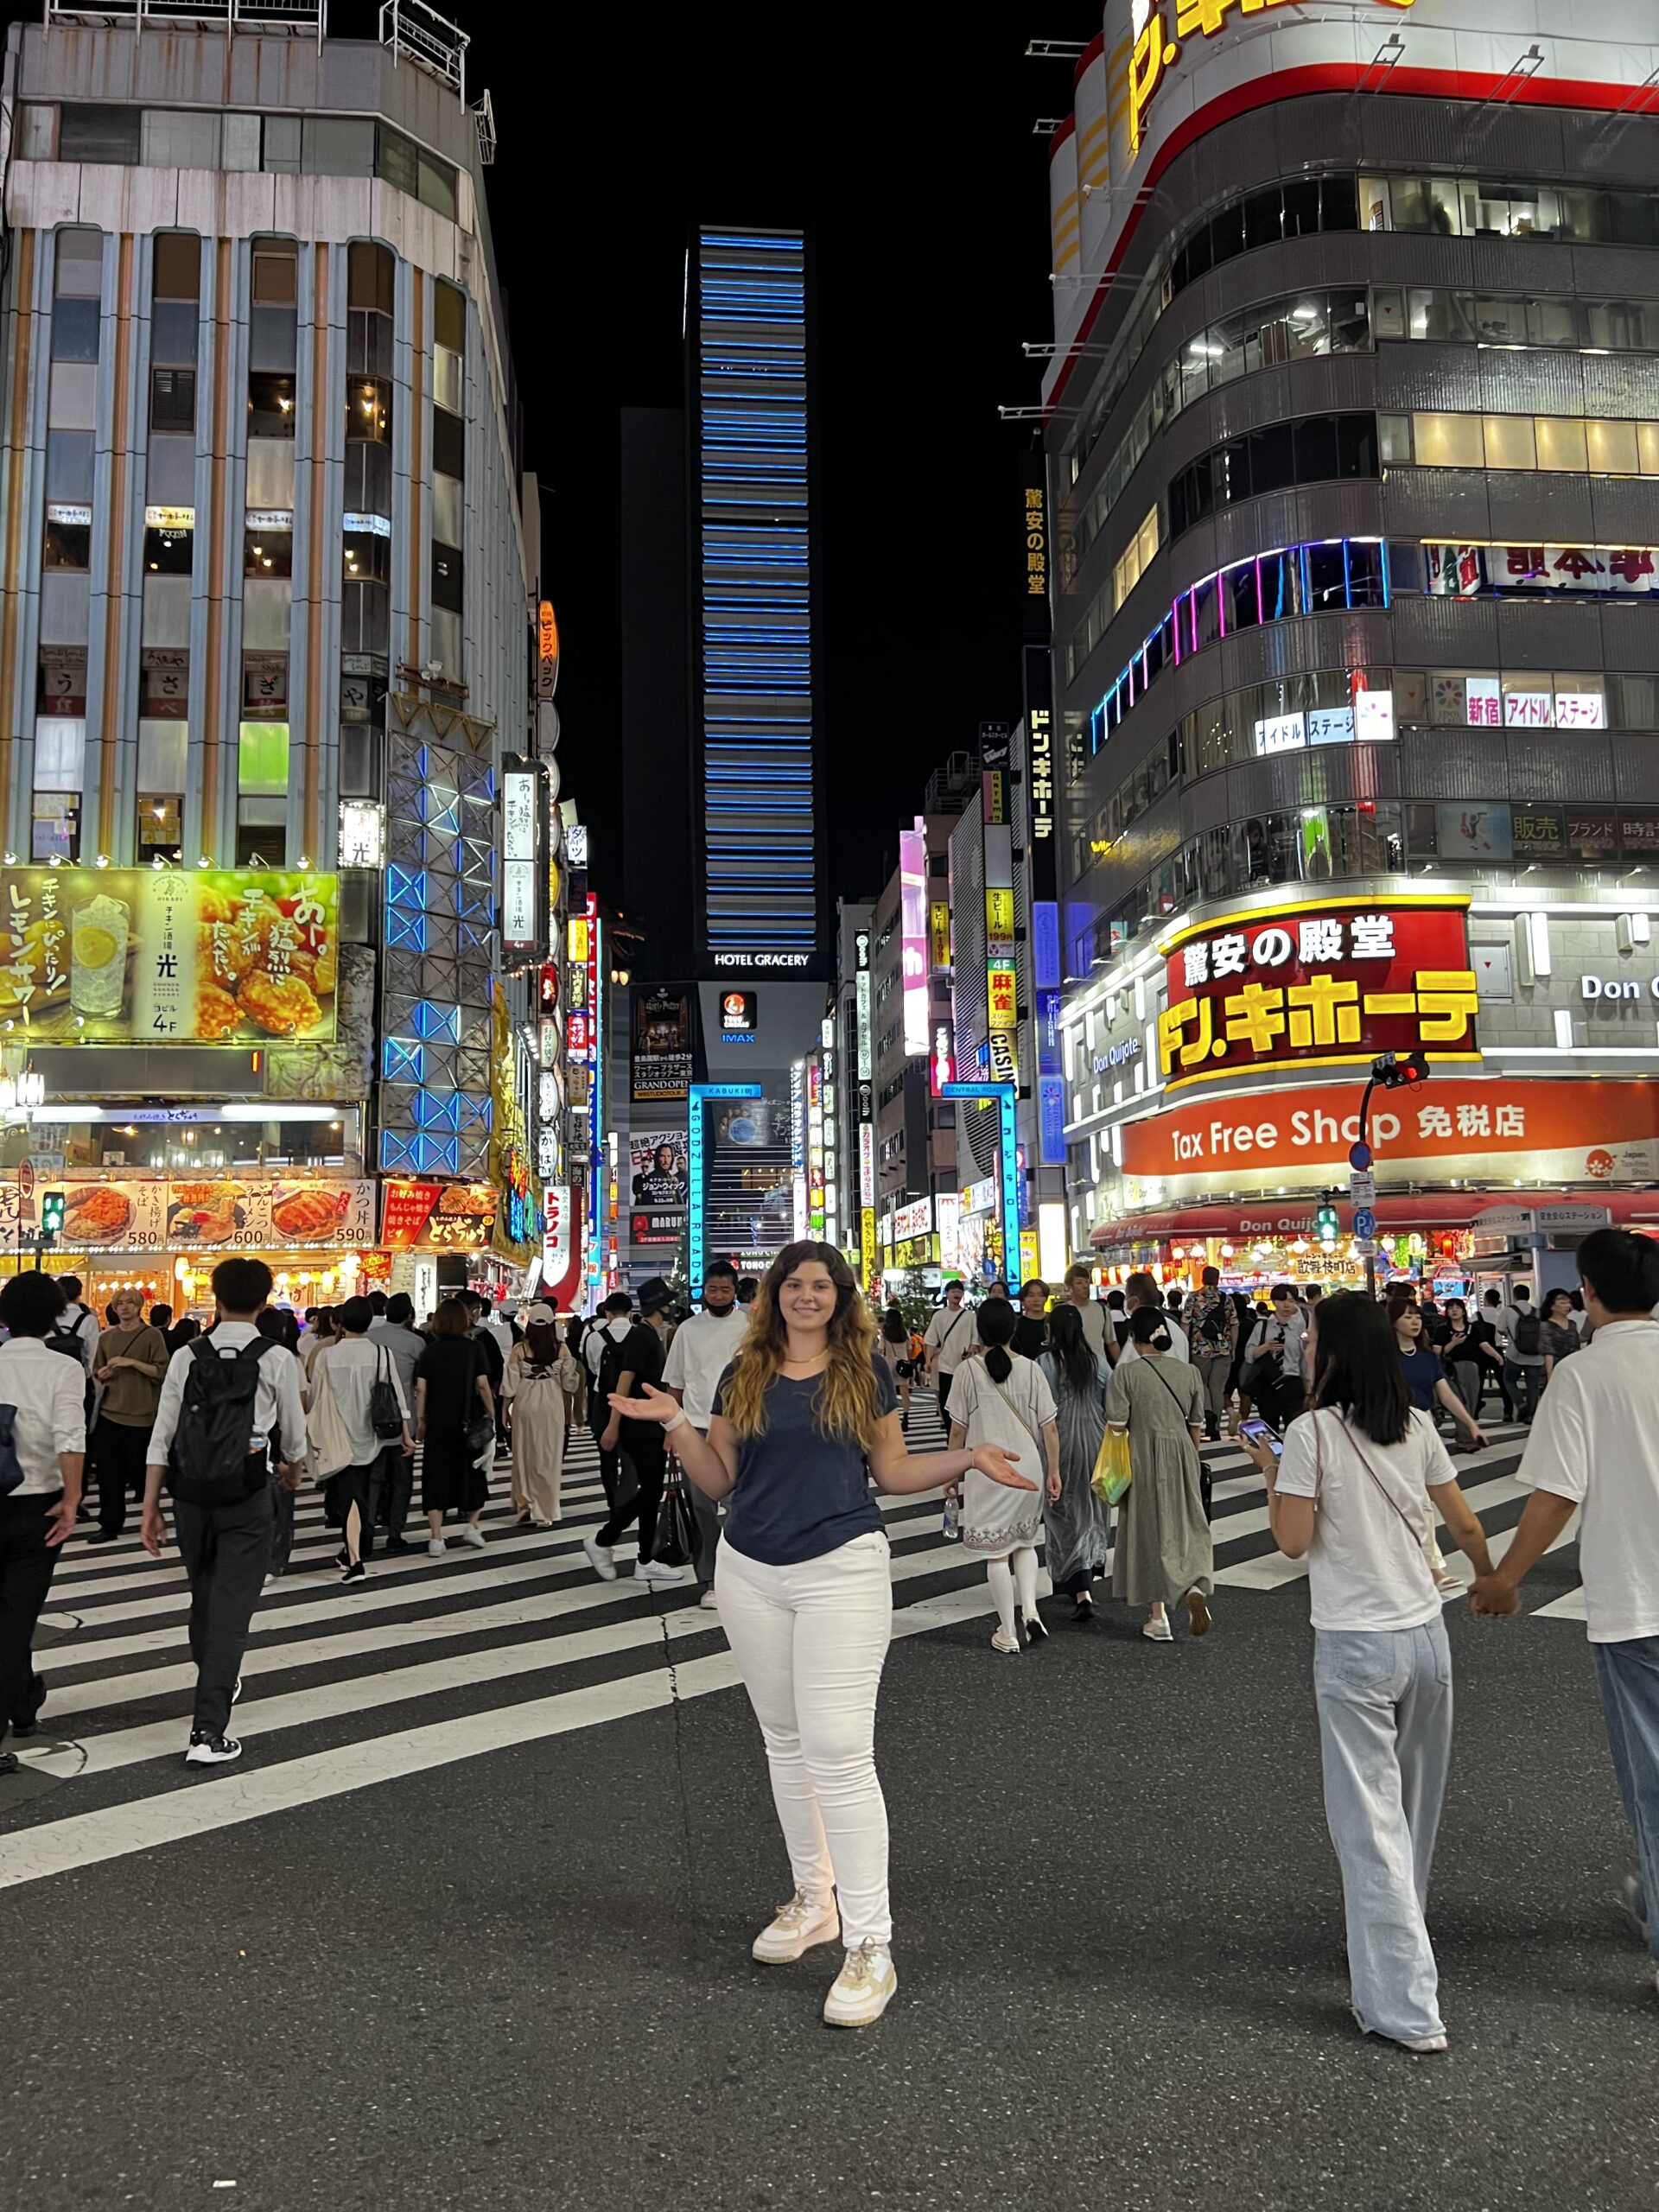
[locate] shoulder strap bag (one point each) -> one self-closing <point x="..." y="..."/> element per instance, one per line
<point x="1024" y="1419"/>
<point x="1415" y="1530"/>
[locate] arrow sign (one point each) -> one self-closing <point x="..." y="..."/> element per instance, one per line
<point x="1364" y="1223"/>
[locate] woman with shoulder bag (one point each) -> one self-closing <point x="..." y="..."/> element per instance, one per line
<point x="1163" y="1551"/>
<point x="1359" y="1472"/>
<point x="535" y="1394"/>
<point x="1003" y="1399"/>
<point x="801" y="1420"/>
<point x="455" y="1409"/>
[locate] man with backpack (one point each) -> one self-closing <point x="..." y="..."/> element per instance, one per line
<point x="42" y="1444"/>
<point x="77" y="1321"/>
<point x="601" y="1347"/>
<point x="230" y="1410"/>
<point x="1521" y="1333"/>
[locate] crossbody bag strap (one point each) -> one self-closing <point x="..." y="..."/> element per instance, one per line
<point x="1023" y="1419"/>
<point x="1167" y="1384"/>
<point x="1405" y="1523"/>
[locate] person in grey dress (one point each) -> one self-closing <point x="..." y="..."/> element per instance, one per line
<point x="1079" y="1523"/>
<point x="1163" y="1551"/>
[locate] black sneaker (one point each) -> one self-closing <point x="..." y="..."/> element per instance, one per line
<point x="342" y="1557"/>
<point x="29" y="1722"/>
<point x="398" y="1544"/>
<point x="10" y="1764"/>
<point x="356" y="1572"/>
<point x="207" y="1750"/>
<point x="103" y="1536"/>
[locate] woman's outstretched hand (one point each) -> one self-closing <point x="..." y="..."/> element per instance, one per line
<point x="651" y="1405"/>
<point x="998" y="1467"/>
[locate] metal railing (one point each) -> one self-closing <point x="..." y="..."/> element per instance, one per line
<point x="414" y="32"/>
<point x="294" y="18"/>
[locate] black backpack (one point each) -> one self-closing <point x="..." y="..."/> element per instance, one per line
<point x="210" y="1463"/>
<point x="610" y="1374"/>
<point x="11" y="1467"/>
<point x="1528" y="1330"/>
<point x="64" y="1335"/>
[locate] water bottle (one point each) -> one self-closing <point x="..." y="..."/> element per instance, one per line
<point x="950" y="1527"/>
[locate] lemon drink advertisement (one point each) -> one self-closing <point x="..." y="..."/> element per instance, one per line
<point x="170" y="956"/>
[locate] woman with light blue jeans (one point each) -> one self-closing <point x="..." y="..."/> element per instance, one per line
<point x="1351" y="1493"/>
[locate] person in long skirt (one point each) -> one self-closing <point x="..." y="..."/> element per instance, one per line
<point x="1003" y="1399"/>
<point x="1361" y="1470"/>
<point x="802" y="1419"/>
<point x="452" y="1388"/>
<point x="1163" y="1551"/>
<point x="1078" y="1524"/>
<point x="535" y="1394"/>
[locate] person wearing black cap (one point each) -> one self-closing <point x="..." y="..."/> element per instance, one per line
<point x="644" y="1351"/>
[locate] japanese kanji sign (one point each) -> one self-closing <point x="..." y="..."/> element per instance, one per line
<point x="1318" y="984"/>
<point x="167" y="955"/>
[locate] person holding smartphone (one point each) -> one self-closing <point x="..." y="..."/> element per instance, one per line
<point x="1359" y="1471"/>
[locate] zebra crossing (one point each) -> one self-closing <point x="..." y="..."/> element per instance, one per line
<point x="436" y="1661"/>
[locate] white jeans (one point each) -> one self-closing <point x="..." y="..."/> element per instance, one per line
<point x="810" y="1642"/>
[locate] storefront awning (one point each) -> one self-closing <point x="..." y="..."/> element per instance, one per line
<point x="1395" y="1210"/>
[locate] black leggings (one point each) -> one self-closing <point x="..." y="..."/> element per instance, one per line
<point x="645" y="1447"/>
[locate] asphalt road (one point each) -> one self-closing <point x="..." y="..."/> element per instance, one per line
<point x="521" y="1979"/>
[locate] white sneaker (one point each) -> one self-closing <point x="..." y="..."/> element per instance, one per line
<point x="863" y="1989"/>
<point x="708" y="1602"/>
<point x="652" y="1570"/>
<point x="434" y="1547"/>
<point x="1000" y="1642"/>
<point x="473" y="1535"/>
<point x="799" y="1925"/>
<point x="1423" y="2046"/>
<point x="1159" y="1631"/>
<point x="600" y="1559"/>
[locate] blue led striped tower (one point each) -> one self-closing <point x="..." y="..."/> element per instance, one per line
<point x="759" y="893"/>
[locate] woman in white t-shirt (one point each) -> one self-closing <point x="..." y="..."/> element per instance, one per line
<point x="1004" y="1399"/>
<point x="1351" y="1493"/>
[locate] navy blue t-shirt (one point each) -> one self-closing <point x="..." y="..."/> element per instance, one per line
<point x="1423" y="1370"/>
<point x="800" y="1493"/>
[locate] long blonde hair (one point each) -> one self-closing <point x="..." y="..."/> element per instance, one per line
<point x="846" y="1403"/>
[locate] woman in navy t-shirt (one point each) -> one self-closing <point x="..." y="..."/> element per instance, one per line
<point x="802" y="1418"/>
<point x="1426" y="1379"/>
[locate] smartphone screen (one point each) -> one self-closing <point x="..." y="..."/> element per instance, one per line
<point x="1259" y="1432"/>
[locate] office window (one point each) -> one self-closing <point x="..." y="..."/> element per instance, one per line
<point x="172" y="399"/>
<point x="1613" y="449"/>
<point x="169" y="552"/>
<point x="337" y="145"/>
<point x="1448" y="441"/>
<point x="180" y="138"/>
<point x="1562" y="443"/>
<point x="1508" y="442"/>
<point x="74" y="330"/>
<point x="275" y="272"/>
<point x="270" y="412"/>
<point x="178" y="266"/>
<point x="98" y="132"/>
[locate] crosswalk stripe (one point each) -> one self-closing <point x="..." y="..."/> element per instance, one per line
<point x="519" y="1613"/>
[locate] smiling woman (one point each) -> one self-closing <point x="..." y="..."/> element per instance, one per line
<point x="802" y="1419"/>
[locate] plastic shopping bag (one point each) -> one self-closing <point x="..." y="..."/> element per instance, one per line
<point x="1112" y="1473"/>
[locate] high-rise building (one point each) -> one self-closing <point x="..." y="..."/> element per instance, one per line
<point x="282" y="856"/>
<point x="1352" y="436"/>
<point x="722" y="711"/>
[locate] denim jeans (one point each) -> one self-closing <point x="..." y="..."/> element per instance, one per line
<point x="810" y="1641"/>
<point x="1523" y="1386"/>
<point x="1384" y="1699"/>
<point x="1628" y="1676"/>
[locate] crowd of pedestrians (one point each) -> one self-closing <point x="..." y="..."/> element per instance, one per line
<point x="778" y="1407"/>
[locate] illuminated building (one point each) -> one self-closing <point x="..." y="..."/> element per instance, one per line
<point x="1352" y="435"/>
<point x="265" y="649"/>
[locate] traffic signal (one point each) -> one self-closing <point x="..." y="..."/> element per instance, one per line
<point x="52" y="1206"/>
<point x="1395" y="1071"/>
<point x="1325" y="1220"/>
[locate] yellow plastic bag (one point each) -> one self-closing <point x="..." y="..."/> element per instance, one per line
<point x="1112" y="1473"/>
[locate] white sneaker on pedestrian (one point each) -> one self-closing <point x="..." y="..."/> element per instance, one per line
<point x="1159" y="1630"/>
<point x="863" y="1989"/>
<point x="652" y="1570"/>
<point x="1423" y="2046"/>
<point x="798" y="1927"/>
<point x="600" y="1559"/>
<point x="435" y="1546"/>
<point x="211" y="1751"/>
<point x="473" y="1534"/>
<point x="708" y="1602"/>
<point x="1003" y="1642"/>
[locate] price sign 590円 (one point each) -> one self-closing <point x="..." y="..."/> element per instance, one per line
<point x="1318" y="984"/>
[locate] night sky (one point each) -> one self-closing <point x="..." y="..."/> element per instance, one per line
<point x="902" y="139"/>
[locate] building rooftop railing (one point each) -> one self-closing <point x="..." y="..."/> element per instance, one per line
<point x="416" y="32"/>
<point x="295" y="18"/>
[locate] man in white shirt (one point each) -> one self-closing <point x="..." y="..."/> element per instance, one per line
<point x="1520" y="1332"/>
<point x="948" y="1340"/>
<point x="77" y="1319"/>
<point x="224" y="1520"/>
<point x="356" y="1487"/>
<point x="48" y="1443"/>
<point x="1143" y="1290"/>
<point x="1091" y="1311"/>
<point x="704" y="1348"/>
<point x="1595" y="1445"/>
<point x="1282" y="1340"/>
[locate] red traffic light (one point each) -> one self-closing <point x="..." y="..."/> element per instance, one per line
<point x="1394" y="1073"/>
